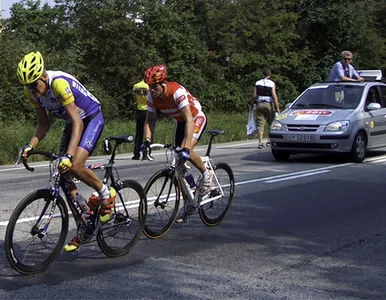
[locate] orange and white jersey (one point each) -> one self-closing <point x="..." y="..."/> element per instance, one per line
<point x="176" y="98"/>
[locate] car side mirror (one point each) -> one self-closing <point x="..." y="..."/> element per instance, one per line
<point x="373" y="106"/>
<point x="288" y="105"/>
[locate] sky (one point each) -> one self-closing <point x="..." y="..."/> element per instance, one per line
<point x="6" y="5"/>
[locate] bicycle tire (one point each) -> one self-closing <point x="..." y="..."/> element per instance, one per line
<point x="23" y="245"/>
<point x="214" y="212"/>
<point x="118" y="236"/>
<point x="161" y="215"/>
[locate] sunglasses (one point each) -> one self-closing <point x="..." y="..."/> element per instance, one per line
<point x="347" y="58"/>
<point x="33" y="85"/>
<point x="153" y="86"/>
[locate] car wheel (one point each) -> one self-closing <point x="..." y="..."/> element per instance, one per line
<point x="280" y="156"/>
<point x="358" y="150"/>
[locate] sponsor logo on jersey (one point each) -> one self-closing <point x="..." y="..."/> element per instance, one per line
<point x="197" y="124"/>
<point x="180" y="99"/>
<point x="68" y="91"/>
<point x="90" y="141"/>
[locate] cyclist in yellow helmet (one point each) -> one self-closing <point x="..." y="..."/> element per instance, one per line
<point x="62" y="95"/>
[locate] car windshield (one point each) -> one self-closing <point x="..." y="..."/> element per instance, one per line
<point x="330" y="96"/>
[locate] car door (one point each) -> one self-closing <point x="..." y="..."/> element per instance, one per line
<point x="377" y="119"/>
<point x="381" y="89"/>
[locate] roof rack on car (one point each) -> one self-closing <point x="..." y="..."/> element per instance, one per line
<point x="368" y="75"/>
<point x="371" y="75"/>
<point x="340" y="82"/>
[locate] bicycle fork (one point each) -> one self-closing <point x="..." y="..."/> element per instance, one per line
<point x="50" y="204"/>
<point x="41" y="233"/>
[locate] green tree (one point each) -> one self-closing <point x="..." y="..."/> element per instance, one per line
<point x="172" y="35"/>
<point x="329" y="27"/>
<point x="216" y="48"/>
<point x="109" y="48"/>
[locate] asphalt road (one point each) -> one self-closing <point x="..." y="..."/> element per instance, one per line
<point x="309" y="228"/>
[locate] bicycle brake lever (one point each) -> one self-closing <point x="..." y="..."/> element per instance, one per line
<point x="146" y="154"/>
<point x="18" y="158"/>
<point x="24" y="162"/>
<point x="107" y="146"/>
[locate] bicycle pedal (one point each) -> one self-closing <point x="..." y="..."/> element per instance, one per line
<point x="183" y="219"/>
<point x="156" y="204"/>
<point x="215" y="192"/>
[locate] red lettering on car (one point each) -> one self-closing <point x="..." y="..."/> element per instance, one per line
<point x="312" y="112"/>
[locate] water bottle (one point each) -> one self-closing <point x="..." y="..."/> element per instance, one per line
<point x="190" y="179"/>
<point x="82" y="203"/>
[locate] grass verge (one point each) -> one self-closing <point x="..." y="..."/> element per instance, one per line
<point x="16" y="135"/>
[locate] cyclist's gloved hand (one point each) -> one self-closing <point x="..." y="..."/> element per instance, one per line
<point x="184" y="154"/>
<point x="146" y="150"/>
<point x="145" y="146"/>
<point x="65" y="163"/>
<point x="24" y="151"/>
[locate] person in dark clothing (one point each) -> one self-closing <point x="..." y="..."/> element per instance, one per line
<point x="140" y="91"/>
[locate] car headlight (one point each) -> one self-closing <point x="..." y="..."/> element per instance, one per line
<point x="276" y="125"/>
<point x="337" y="126"/>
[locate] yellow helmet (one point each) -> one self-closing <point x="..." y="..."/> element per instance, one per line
<point x="30" y="68"/>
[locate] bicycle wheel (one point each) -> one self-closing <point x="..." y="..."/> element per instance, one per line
<point x="119" y="235"/>
<point x="28" y="249"/>
<point x="163" y="196"/>
<point x="212" y="213"/>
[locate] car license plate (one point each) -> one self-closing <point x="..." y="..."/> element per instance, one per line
<point x="301" y="137"/>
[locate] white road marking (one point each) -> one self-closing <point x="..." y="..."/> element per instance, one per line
<point x="124" y="156"/>
<point x="294" y="175"/>
<point x="271" y="179"/>
<point x="276" y="178"/>
<point x="297" y="176"/>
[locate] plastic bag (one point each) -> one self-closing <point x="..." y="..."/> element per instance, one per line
<point x="251" y="126"/>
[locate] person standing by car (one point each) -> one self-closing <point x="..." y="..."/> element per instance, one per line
<point x="343" y="70"/>
<point x="140" y="91"/>
<point x="267" y="102"/>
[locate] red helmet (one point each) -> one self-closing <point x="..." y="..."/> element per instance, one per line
<point x="156" y="74"/>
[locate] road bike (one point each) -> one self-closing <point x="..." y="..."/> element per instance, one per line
<point x="38" y="227"/>
<point x="164" y="189"/>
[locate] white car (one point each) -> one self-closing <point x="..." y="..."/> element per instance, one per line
<point x="332" y="117"/>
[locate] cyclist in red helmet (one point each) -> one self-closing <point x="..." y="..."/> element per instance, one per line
<point x="174" y="100"/>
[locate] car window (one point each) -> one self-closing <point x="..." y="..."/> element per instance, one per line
<point x="330" y="96"/>
<point x="382" y="89"/>
<point x="373" y="97"/>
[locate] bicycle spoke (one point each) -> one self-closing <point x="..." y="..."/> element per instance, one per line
<point x="217" y="204"/>
<point x="118" y="236"/>
<point x="162" y="194"/>
<point x="28" y="250"/>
